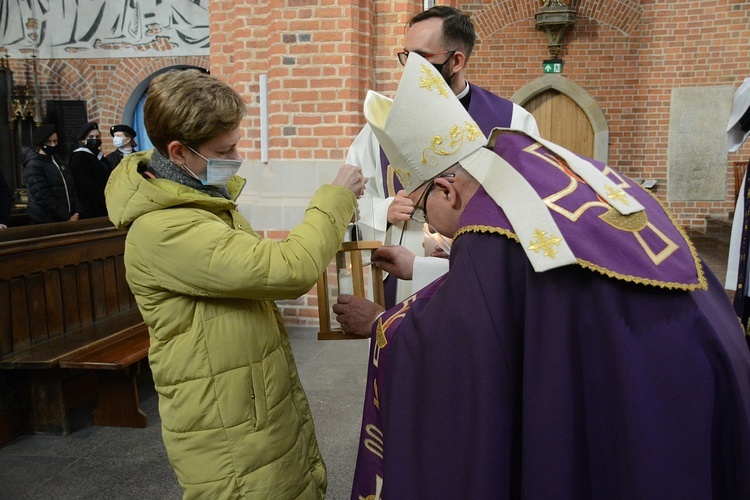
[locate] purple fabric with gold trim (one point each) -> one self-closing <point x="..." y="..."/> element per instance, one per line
<point x="368" y="475"/>
<point x="502" y="382"/>
<point x="567" y="384"/>
<point x="646" y="247"/>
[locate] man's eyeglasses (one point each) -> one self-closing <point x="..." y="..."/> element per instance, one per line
<point x="403" y="56"/>
<point x="419" y="214"/>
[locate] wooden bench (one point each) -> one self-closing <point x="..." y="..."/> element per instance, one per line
<point x="73" y="330"/>
<point x="117" y="358"/>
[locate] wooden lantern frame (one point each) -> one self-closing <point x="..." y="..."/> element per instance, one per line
<point x="355" y="250"/>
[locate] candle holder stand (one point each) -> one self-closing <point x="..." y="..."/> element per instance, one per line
<point x="350" y="274"/>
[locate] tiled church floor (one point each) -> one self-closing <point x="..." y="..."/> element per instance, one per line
<point x="119" y="463"/>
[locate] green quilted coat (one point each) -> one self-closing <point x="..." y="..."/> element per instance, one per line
<point x="235" y="419"/>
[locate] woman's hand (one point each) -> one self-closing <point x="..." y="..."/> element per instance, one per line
<point x="351" y="178"/>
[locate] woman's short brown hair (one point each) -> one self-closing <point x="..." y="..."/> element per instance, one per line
<point x="190" y="107"/>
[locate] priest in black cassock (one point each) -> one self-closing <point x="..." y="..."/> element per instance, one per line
<point x="123" y="139"/>
<point x="90" y="171"/>
<point x="578" y="347"/>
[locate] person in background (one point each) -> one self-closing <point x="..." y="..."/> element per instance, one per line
<point x="123" y="138"/>
<point x="445" y="37"/>
<point x="90" y="171"/>
<point x="235" y="420"/>
<point x="51" y="189"/>
<point x="738" y="130"/>
<point x="6" y="202"/>
<point x="578" y="348"/>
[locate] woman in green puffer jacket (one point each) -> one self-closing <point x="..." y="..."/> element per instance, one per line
<point x="235" y="419"/>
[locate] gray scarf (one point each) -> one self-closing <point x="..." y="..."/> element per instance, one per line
<point x="165" y="168"/>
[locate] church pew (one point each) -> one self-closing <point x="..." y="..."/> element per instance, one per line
<point x="64" y="300"/>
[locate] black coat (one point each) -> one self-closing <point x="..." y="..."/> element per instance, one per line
<point x="52" y="192"/>
<point x="6" y="201"/>
<point x="90" y="175"/>
<point x="114" y="158"/>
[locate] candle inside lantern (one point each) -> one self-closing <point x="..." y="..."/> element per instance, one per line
<point x="346" y="283"/>
<point x="434" y="240"/>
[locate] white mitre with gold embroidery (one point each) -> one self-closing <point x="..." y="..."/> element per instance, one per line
<point x="425" y="130"/>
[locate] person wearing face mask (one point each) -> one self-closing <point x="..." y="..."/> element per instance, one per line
<point x="123" y="139"/>
<point x="578" y="348"/>
<point x="90" y="171"/>
<point x="235" y="419"/>
<point x="445" y="37"/>
<point x="51" y="189"/>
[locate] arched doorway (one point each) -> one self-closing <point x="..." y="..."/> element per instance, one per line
<point x="133" y="112"/>
<point x="562" y="121"/>
<point x="566" y="115"/>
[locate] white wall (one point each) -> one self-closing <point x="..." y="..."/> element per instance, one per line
<point x="278" y="192"/>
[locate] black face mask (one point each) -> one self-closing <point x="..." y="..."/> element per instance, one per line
<point x="93" y="144"/>
<point x="50" y="150"/>
<point x="439" y="67"/>
<point x="745" y="121"/>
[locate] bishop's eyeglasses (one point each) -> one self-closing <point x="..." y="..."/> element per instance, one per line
<point x="419" y="214"/>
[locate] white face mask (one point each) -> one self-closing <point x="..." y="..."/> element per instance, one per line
<point x="218" y="170"/>
<point x="120" y="141"/>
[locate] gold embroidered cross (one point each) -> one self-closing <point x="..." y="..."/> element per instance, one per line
<point x="545" y="243"/>
<point x="617" y="194"/>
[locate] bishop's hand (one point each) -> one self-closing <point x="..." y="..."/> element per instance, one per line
<point x="400" y="208"/>
<point x="356" y="314"/>
<point x="396" y="260"/>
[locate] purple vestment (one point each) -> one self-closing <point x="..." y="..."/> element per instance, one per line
<point x="369" y="473"/>
<point x="624" y="376"/>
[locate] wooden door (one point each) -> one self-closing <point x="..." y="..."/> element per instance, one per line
<point x="562" y="121"/>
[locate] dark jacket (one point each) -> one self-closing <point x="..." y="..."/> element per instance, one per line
<point x="6" y="201"/>
<point x="90" y="175"/>
<point x="52" y="193"/>
<point x="114" y="158"/>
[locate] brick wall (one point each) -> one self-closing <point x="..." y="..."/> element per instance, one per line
<point x="321" y="56"/>
<point x="105" y="84"/>
<point x="629" y="56"/>
<point x="317" y="58"/>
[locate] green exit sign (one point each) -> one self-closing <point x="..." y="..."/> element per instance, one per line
<point x="552" y="66"/>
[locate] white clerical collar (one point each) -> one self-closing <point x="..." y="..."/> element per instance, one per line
<point x="464" y="92"/>
<point x="87" y="150"/>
